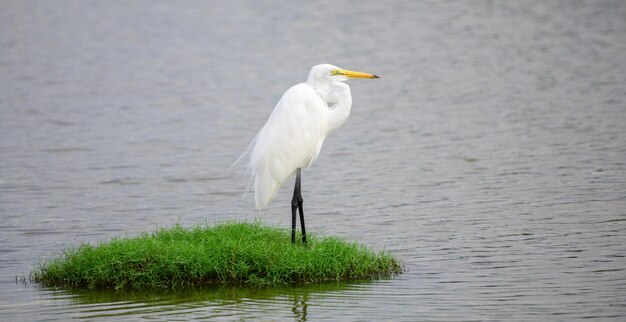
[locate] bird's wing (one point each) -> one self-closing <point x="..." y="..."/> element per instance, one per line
<point x="291" y="138"/>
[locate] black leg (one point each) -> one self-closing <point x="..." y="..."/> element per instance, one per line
<point x="296" y="203"/>
<point x="294" y="206"/>
<point x="300" y="208"/>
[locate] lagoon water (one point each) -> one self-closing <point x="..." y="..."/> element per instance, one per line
<point x="490" y="157"/>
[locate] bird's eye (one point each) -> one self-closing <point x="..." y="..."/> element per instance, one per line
<point x="334" y="72"/>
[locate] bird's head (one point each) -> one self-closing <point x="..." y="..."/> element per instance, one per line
<point x="325" y="73"/>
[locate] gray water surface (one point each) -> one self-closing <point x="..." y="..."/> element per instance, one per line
<point x="490" y="157"/>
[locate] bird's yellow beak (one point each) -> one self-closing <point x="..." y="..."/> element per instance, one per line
<point x="353" y="74"/>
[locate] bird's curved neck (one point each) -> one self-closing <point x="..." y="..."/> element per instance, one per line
<point x="339" y="101"/>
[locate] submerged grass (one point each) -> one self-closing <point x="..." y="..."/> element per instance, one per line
<point x="228" y="253"/>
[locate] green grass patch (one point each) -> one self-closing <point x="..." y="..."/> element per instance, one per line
<point x="227" y="253"/>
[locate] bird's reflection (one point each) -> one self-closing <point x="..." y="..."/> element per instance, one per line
<point x="300" y="306"/>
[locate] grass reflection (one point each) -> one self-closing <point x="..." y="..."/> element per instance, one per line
<point x="289" y="302"/>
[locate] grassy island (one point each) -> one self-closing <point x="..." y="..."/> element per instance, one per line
<point x="227" y="253"/>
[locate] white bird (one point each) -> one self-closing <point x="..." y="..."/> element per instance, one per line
<point x="292" y="137"/>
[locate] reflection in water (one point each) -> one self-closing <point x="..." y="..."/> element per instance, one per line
<point x="209" y="302"/>
<point x="300" y="306"/>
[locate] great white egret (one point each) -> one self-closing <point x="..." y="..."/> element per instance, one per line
<point x="293" y="135"/>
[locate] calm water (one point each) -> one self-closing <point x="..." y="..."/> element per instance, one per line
<point x="490" y="157"/>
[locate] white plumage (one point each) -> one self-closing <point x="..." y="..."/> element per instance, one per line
<point x="293" y="135"/>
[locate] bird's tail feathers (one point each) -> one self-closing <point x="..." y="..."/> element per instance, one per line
<point x="255" y="151"/>
<point x="245" y="153"/>
<point x="248" y="170"/>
